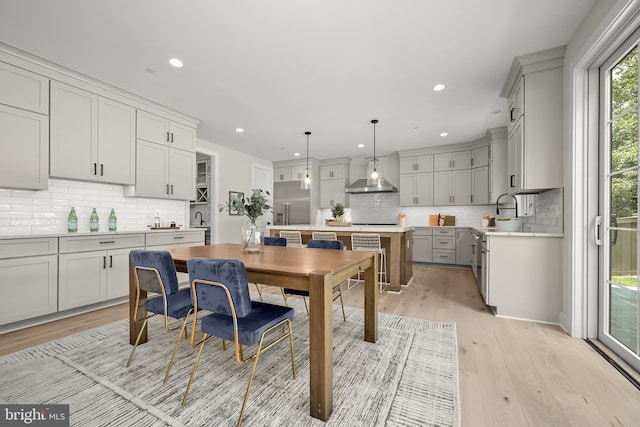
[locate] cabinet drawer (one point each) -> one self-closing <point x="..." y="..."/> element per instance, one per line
<point x="175" y="238"/>
<point x="444" y="232"/>
<point x="96" y="243"/>
<point x="444" y="256"/>
<point x="444" y="242"/>
<point x="422" y="231"/>
<point x="15" y="248"/>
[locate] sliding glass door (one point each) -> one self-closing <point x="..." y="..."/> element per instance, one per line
<point x="619" y="305"/>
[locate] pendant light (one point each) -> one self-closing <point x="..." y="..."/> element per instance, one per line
<point x="306" y="182"/>
<point x="374" y="177"/>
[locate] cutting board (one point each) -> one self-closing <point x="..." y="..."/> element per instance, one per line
<point x="338" y="224"/>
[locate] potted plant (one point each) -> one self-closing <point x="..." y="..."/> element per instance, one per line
<point x="337" y="211"/>
<point x="253" y="208"/>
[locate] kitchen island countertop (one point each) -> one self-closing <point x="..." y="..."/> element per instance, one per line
<point x="350" y="228"/>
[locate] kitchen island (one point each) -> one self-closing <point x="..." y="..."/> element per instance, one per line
<point x="397" y="241"/>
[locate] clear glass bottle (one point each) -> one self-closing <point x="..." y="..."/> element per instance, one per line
<point x="113" y="221"/>
<point x="94" y="222"/>
<point x="73" y="221"/>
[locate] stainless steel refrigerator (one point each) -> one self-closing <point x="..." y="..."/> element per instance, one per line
<point x="291" y="204"/>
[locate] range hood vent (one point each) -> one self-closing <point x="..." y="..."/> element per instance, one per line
<point x="362" y="186"/>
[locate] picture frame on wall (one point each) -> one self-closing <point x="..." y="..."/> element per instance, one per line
<point x="236" y="196"/>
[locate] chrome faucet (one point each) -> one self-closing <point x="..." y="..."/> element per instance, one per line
<point x="201" y="220"/>
<point x="498" y="206"/>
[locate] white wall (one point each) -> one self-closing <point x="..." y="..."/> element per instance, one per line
<point x="232" y="172"/>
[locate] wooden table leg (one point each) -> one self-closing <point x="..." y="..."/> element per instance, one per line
<point x="321" y="345"/>
<point x="371" y="301"/>
<point x="135" y="325"/>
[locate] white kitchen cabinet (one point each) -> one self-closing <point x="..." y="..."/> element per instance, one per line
<point x="498" y="163"/>
<point x="202" y="182"/>
<point x="282" y="174"/>
<point x="480" y="157"/>
<point x="336" y="171"/>
<point x="464" y="252"/>
<point x="26" y="136"/>
<point x="480" y="186"/>
<point x="332" y="193"/>
<point x="28" y="278"/>
<point x="298" y="172"/>
<point x="154" y="128"/>
<point x="416" y="189"/>
<point x="534" y="90"/>
<point x="163" y="240"/>
<point x="334" y="176"/>
<point x="163" y="172"/>
<point x="413" y="164"/>
<point x="23" y="89"/>
<point x="444" y="245"/>
<point x="92" y="138"/>
<point x="94" y="269"/>
<point x="422" y="245"/>
<point x="291" y="173"/>
<point x="452" y="188"/>
<point x="525" y="277"/>
<point x="452" y="161"/>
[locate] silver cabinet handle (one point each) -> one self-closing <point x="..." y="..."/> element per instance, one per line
<point x="104" y="242"/>
<point x="167" y="136"/>
<point x="178" y="237"/>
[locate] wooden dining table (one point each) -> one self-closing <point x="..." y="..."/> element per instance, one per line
<point x="314" y="270"/>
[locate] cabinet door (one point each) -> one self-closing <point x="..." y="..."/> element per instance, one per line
<point x="282" y="174"/>
<point x="74" y="133"/>
<point x="116" y="142"/>
<point x="331" y="193"/>
<point x="480" y="186"/>
<point x="23" y="89"/>
<point x="442" y="161"/>
<point x="153" y="128"/>
<point x="480" y="157"/>
<point x="461" y="187"/>
<point x="424" y="163"/>
<point x="464" y="253"/>
<point x="298" y="172"/>
<point x="408" y="189"/>
<point x="442" y="188"/>
<point x="118" y="273"/>
<point x="29" y="287"/>
<point x="516" y="105"/>
<point x="422" y="248"/>
<point x="82" y="279"/>
<point x="152" y="170"/>
<point x="182" y="136"/>
<point x="182" y="175"/>
<point x="407" y="165"/>
<point x="514" y="159"/>
<point x="424" y="189"/>
<point x="26" y="136"/>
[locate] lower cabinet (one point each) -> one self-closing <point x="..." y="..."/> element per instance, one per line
<point x="178" y="239"/>
<point x="422" y="245"/>
<point x="464" y="240"/>
<point x="444" y="245"/>
<point x="94" y="269"/>
<point x="28" y="278"/>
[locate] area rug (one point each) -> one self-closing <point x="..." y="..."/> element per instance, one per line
<point x="408" y="378"/>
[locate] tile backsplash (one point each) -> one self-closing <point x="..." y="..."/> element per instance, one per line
<point x="548" y="216"/>
<point x="46" y="211"/>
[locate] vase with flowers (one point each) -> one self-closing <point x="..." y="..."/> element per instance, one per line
<point x="253" y="208"/>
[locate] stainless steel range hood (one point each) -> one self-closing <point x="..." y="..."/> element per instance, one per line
<point x="362" y="186"/>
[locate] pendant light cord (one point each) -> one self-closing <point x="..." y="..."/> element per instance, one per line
<point x="307" y="133"/>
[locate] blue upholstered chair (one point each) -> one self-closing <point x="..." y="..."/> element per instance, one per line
<point x="221" y="287"/>
<point x="155" y="273"/>
<point x="270" y="241"/>
<point x="320" y="244"/>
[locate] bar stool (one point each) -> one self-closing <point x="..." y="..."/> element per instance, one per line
<point x="293" y="238"/>
<point x="324" y="235"/>
<point x="370" y="242"/>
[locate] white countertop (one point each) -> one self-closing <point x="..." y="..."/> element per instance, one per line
<point x="352" y="228"/>
<point x="94" y="233"/>
<point x="492" y="231"/>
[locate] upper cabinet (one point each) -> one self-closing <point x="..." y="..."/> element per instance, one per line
<point x="414" y="164"/>
<point x="452" y="161"/>
<point x="24" y="120"/>
<point x="160" y="130"/>
<point x="334" y="177"/>
<point x="92" y="137"/>
<point x="534" y="91"/>
<point x="416" y="180"/>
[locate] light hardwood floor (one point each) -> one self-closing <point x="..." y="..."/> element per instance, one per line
<point x="512" y="373"/>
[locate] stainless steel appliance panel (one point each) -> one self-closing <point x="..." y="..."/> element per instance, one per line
<point x="291" y="204"/>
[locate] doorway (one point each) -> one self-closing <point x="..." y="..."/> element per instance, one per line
<point x="619" y="163"/>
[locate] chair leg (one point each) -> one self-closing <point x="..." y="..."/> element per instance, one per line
<point x="344" y="317"/>
<point x="193" y="371"/>
<point x="183" y="329"/>
<point x="293" y="363"/>
<point x="253" y="371"/>
<point x="306" y="307"/>
<point x="259" y="288"/>
<point x="284" y="296"/>
<point x="133" y="350"/>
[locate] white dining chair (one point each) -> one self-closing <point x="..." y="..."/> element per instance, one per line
<point x="324" y="235"/>
<point x="370" y="242"/>
<point x="294" y="239"/>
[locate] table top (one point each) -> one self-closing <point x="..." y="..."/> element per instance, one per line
<point x="290" y="261"/>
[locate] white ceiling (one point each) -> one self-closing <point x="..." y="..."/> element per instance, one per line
<point x="278" y="68"/>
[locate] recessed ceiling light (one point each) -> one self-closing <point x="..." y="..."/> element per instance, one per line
<point x="176" y="62"/>
<point x="438" y="87"/>
<point x="296" y="154"/>
<point x="239" y="130"/>
<point x="444" y="134"/>
<point x="360" y="145"/>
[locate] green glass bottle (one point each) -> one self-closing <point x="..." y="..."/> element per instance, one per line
<point x="113" y="221"/>
<point x="94" y="223"/>
<point x="72" y="221"/>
